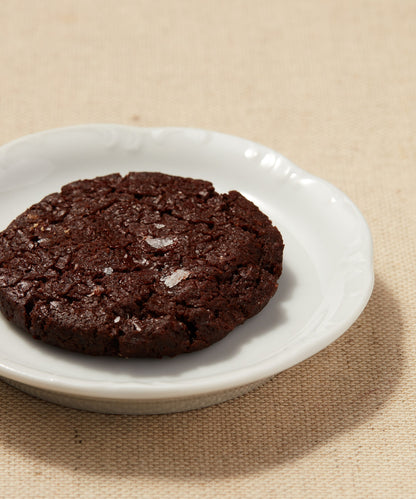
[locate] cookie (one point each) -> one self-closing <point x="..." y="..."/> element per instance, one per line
<point x="144" y="265"/>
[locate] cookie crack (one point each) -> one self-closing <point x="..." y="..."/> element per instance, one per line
<point x="190" y="326"/>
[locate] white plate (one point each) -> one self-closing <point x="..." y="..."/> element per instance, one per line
<point x="326" y="282"/>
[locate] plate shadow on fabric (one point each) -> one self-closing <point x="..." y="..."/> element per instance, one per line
<point x="296" y="412"/>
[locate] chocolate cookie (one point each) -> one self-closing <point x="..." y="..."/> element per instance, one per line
<point x="144" y="265"/>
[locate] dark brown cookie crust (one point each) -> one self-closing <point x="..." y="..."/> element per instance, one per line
<point x="144" y="265"/>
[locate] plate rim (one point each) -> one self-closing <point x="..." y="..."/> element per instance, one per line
<point x="134" y="390"/>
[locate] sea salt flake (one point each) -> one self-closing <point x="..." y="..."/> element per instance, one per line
<point x="159" y="226"/>
<point x="142" y="261"/>
<point x="108" y="270"/>
<point x="136" y="326"/>
<point x="97" y="291"/>
<point x="157" y="242"/>
<point x="175" y="278"/>
<point x="117" y="319"/>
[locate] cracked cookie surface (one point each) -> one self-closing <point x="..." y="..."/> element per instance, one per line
<point x="144" y="265"/>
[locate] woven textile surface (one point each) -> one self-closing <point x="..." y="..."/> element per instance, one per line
<point x="332" y="86"/>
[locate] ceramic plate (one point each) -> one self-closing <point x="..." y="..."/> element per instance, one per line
<point x="326" y="282"/>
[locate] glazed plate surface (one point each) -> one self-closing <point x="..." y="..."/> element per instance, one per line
<point x="326" y="282"/>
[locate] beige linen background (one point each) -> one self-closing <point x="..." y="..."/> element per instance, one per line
<point x="331" y="85"/>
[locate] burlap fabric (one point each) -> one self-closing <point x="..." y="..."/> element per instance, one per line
<point x="331" y="85"/>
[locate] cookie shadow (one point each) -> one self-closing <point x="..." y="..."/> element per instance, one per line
<point x="297" y="411"/>
<point x="272" y="316"/>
